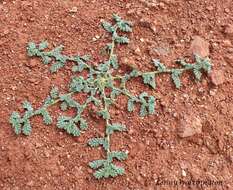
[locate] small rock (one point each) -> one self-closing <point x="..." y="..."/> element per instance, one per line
<point x="189" y="126"/>
<point x="213" y="92"/>
<point x="73" y="10"/>
<point x="200" y="46"/>
<point x="217" y="77"/>
<point x="137" y="51"/>
<point x="129" y="62"/>
<point x="183" y="173"/>
<point x="229" y="30"/>
<point x="46" y="153"/>
<point x="226" y="43"/>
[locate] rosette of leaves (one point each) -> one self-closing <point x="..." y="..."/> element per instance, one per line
<point x="99" y="80"/>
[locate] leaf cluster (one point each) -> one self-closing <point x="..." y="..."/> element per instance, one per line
<point x="99" y="80"/>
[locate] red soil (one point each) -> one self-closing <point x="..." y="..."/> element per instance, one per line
<point x="50" y="159"/>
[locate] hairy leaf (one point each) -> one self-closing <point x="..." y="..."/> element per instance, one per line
<point x="114" y="127"/>
<point x="149" y="79"/>
<point x="97" y="164"/>
<point x="15" y="121"/>
<point x="161" y="67"/>
<point x="176" y="78"/>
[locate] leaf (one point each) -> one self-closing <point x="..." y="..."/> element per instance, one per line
<point x="64" y="106"/>
<point x="119" y="155"/>
<point x="109" y="47"/>
<point x="70" y="101"/>
<point x="83" y="124"/>
<point x="134" y="73"/>
<point x="161" y="67"/>
<point x="27" y="106"/>
<point x="97" y="164"/>
<point x="86" y="57"/>
<point x="114" y="93"/>
<point x="109" y="170"/>
<point x="149" y="79"/>
<point x="143" y="110"/>
<point x="104" y="113"/>
<point x="95" y="100"/>
<point x="54" y="93"/>
<point x="204" y="64"/>
<point x="75" y="68"/>
<point x="184" y="64"/>
<point x="56" y="66"/>
<point x="27" y="128"/>
<point x="130" y="105"/>
<point x="121" y="39"/>
<point x="48" y="101"/>
<point x="176" y="78"/>
<point x="124" y="26"/>
<point x="114" y="127"/>
<point x="114" y="61"/>
<point x="68" y="125"/>
<point x="77" y="84"/>
<point x="95" y="142"/>
<point x="46" y="117"/>
<point x="43" y="45"/>
<point x="15" y="121"/>
<point x="197" y="74"/>
<point x="81" y="64"/>
<point x="108" y="27"/>
<point x="151" y="106"/>
<point x="144" y="104"/>
<point x="103" y="67"/>
<point x="116" y="17"/>
<point x="32" y="50"/>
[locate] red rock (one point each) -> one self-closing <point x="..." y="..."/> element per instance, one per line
<point x="200" y="47"/>
<point x="189" y="126"/>
<point x="217" y="77"/>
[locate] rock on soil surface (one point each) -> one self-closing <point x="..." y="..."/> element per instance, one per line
<point x="217" y="77"/>
<point x="189" y="126"/>
<point x="200" y="46"/>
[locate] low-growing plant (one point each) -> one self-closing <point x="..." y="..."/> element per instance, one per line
<point x="96" y="85"/>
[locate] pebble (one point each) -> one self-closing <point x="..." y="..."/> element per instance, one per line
<point x="217" y="77"/>
<point x="189" y="126"/>
<point x="137" y="51"/>
<point x="226" y="43"/>
<point x="73" y="10"/>
<point x="183" y="173"/>
<point x="200" y="46"/>
<point x="129" y="62"/>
